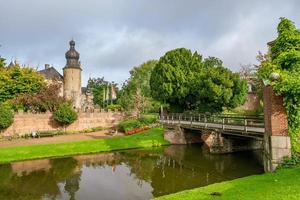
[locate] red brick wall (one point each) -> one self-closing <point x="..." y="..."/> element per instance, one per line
<point x="29" y="122"/>
<point x="275" y="114"/>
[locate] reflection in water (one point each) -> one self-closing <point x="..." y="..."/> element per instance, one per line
<point x="132" y="174"/>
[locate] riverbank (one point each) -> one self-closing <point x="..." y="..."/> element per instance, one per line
<point x="283" y="184"/>
<point x="149" y="138"/>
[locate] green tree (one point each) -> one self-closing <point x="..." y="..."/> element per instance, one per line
<point x="135" y="95"/>
<point x="18" y="80"/>
<point x="101" y="90"/>
<point x="2" y="62"/>
<point x="284" y="59"/>
<point x="187" y="82"/>
<point x="6" y="116"/>
<point x="171" y="77"/>
<point x="65" y="114"/>
<point x="216" y="87"/>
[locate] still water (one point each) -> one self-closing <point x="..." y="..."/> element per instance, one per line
<point x="125" y="175"/>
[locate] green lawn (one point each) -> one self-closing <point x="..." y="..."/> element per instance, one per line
<point x="151" y="137"/>
<point x="282" y="185"/>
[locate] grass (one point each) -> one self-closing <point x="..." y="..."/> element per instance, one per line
<point x="149" y="138"/>
<point x="281" y="185"/>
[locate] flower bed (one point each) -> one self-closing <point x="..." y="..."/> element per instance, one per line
<point x="137" y="130"/>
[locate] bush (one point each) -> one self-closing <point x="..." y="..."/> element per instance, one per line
<point x="6" y="116"/>
<point x="65" y="114"/>
<point x="129" y="124"/>
<point x="114" y="107"/>
<point x="148" y="119"/>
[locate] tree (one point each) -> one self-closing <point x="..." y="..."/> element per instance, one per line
<point x="65" y="114"/>
<point x="135" y="95"/>
<point x="171" y="77"/>
<point x="18" y="80"/>
<point x="47" y="99"/>
<point x="101" y="90"/>
<point x="284" y="59"/>
<point x="2" y="62"/>
<point x="6" y="116"/>
<point x="187" y="82"/>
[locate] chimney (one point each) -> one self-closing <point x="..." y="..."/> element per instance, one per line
<point x="47" y="66"/>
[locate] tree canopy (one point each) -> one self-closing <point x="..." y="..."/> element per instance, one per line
<point x="18" y="80"/>
<point x="101" y="90"/>
<point x="186" y="81"/>
<point x="135" y="95"/>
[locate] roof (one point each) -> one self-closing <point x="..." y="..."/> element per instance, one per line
<point x="51" y="74"/>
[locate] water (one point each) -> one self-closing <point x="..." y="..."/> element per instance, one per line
<point x="124" y="175"/>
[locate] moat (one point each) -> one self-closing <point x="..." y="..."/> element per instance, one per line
<point x="131" y="174"/>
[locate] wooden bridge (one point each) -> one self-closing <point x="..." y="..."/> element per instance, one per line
<point x="242" y="126"/>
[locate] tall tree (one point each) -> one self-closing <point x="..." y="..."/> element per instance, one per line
<point x="135" y="95"/>
<point x="187" y="82"/>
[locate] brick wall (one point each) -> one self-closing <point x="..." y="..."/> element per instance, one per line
<point x="276" y="123"/>
<point x="29" y="122"/>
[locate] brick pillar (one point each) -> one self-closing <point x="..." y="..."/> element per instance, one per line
<point x="277" y="142"/>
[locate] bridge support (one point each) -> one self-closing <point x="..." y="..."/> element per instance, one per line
<point x="277" y="142"/>
<point x="219" y="144"/>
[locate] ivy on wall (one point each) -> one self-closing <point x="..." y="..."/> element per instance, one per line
<point x="284" y="60"/>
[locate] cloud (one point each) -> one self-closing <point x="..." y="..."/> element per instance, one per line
<point x="112" y="36"/>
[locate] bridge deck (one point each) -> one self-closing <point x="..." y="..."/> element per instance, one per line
<point x="231" y="125"/>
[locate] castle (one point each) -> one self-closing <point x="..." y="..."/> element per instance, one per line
<point x="70" y="81"/>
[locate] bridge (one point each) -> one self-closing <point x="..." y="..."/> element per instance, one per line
<point x="226" y="124"/>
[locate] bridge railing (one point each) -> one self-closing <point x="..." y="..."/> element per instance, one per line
<point x="222" y="121"/>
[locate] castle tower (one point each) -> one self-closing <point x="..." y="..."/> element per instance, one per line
<point x="72" y="76"/>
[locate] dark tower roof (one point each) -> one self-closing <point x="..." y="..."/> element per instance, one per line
<point x="72" y="56"/>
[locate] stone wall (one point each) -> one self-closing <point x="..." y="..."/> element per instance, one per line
<point x="29" y="122"/>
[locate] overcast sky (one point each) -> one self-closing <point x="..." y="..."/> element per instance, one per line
<point x="112" y="36"/>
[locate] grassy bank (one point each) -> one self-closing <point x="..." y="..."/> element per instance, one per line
<point x="284" y="184"/>
<point x="151" y="137"/>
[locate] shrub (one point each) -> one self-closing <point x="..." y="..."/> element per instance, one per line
<point x="148" y="119"/>
<point x="65" y="114"/>
<point x="129" y="124"/>
<point x="114" y="107"/>
<point x="6" y="116"/>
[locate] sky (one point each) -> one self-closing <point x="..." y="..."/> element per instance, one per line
<point x="113" y="36"/>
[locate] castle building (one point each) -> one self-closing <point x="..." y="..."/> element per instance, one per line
<point x="71" y="89"/>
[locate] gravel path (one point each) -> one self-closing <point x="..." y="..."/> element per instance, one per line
<point x="58" y="139"/>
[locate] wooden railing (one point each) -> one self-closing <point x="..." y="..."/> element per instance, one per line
<point x="234" y="123"/>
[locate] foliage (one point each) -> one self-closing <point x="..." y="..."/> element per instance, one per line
<point x="65" y="114"/>
<point x="18" y="80"/>
<point x="129" y="124"/>
<point x="289" y="162"/>
<point x="284" y="59"/>
<point x="47" y="99"/>
<point x="135" y="95"/>
<point x="101" y="90"/>
<point x="2" y="62"/>
<point x="6" y="116"/>
<point x="115" y="107"/>
<point x="149" y="138"/>
<point x="144" y="120"/>
<point x="187" y="82"/>
<point x="148" y="119"/>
